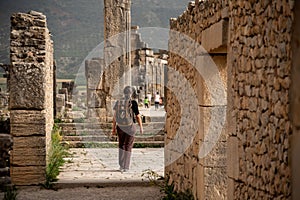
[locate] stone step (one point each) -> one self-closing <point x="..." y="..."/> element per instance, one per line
<point x="146" y="119"/>
<point x="87" y="144"/>
<point x="102" y="138"/>
<point x="95" y="132"/>
<point x="98" y="126"/>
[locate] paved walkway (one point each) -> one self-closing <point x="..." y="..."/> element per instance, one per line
<point x="100" y="166"/>
<point x="160" y="112"/>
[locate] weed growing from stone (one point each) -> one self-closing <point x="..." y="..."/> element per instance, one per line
<point x="10" y="193"/>
<point x="55" y="158"/>
<point x="166" y="187"/>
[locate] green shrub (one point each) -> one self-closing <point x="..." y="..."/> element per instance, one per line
<point x="10" y="193"/>
<point x="55" y="158"/>
<point x="57" y="120"/>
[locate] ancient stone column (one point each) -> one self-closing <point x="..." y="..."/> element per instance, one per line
<point x="31" y="97"/>
<point x="117" y="27"/>
<point x="95" y="97"/>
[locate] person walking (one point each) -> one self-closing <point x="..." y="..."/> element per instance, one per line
<point x="126" y="112"/>
<point x="156" y="100"/>
<point x="146" y="102"/>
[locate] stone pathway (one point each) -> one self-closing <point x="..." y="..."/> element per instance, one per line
<point x="92" y="174"/>
<point x="100" y="166"/>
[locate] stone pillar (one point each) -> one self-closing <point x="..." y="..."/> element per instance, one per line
<point x="31" y="97"/>
<point x="117" y="27"/>
<point x="95" y="98"/>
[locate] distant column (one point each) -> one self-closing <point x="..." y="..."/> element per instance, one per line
<point x="31" y="97"/>
<point x="117" y="26"/>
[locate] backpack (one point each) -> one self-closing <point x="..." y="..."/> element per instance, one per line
<point x="124" y="113"/>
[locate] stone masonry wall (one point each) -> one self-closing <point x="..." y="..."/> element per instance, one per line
<point x="206" y="24"/>
<point x="31" y="97"/>
<point x="260" y="70"/>
<point x="259" y="55"/>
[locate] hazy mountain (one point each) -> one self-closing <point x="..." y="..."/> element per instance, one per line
<point x="77" y="25"/>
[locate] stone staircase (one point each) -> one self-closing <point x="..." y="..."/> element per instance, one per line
<point x="98" y="135"/>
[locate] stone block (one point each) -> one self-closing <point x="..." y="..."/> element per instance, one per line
<point x="29" y="142"/>
<point x="65" y="92"/>
<point x="93" y="72"/>
<point x="27" y="86"/>
<point x="214" y="39"/>
<point x="28" y="175"/>
<point x="217" y="157"/>
<point x="29" y="123"/>
<point x="28" y="156"/>
<point x="27" y="117"/>
<point x="96" y="99"/>
<point x="233" y="158"/>
<point x="211" y="85"/>
<point x="60" y="100"/>
<point x="215" y="181"/>
<point x="26" y="129"/>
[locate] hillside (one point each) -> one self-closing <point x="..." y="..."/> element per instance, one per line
<point x="77" y="25"/>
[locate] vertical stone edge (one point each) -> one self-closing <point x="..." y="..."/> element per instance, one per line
<point x="295" y="105"/>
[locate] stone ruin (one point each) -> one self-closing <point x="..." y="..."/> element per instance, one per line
<point x="30" y="97"/>
<point x="253" y="45"/>
<point x="147" y="76"/>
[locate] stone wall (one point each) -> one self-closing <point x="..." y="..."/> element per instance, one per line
<point x="31" y="97"/>
<point x="259" y="129"/>
<point x="205" y="23"/>
<point x="260" y="70"/>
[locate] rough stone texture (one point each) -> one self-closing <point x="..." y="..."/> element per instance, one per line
<point x="259" y="96"/>
<point x="31" y="97"/>
<point x="260" y="65"/>
<point x="117" y="25"/>
<point x="96" y="98"/>
<point x="204" y="24"/>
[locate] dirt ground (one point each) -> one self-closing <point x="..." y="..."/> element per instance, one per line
<point x="82" y="193"/>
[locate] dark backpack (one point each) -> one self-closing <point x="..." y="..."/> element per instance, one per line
<point x="124" y="113"/>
